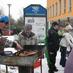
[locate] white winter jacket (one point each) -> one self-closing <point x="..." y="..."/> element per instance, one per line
<point x="67" y="40"/>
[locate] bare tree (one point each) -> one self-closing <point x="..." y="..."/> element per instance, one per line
<point x="20" y="23"/>
<point x="12" y="21"/>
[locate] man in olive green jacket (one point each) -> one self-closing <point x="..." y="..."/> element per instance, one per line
<point x="26" y="37"/>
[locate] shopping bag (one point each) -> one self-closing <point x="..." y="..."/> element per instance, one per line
<point x="37" y="63"/>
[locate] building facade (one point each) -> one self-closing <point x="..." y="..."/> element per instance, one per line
<point x="59" y="9"/>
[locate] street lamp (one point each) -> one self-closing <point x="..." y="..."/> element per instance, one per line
<point x="9" y="5"/>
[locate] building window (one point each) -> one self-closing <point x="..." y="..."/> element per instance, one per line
<point x="50" y="12"/>
<point x="69" y="5"/>
<point x="56" y="8"/>
<point x="53" y="10"/>
<point x="60" y="5"/>
<point x="64" y="6"/>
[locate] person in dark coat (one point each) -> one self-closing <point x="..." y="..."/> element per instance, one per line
<point x="69" y="64"/>
<point x="53" y="46"/>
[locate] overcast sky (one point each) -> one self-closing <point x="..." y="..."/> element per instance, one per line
<point x="18" y="5"/>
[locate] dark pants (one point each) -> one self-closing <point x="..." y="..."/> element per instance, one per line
<point x="26" y="69"/>
<point x="63" y="56"/>
<point x="52" y="58"/>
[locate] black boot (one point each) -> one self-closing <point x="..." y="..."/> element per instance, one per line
<point x="50" y="71"/>
<point x="55" y="69"/>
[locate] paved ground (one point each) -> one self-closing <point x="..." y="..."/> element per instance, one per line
<point x="37" y="70"/>
<point x="61" y="69"/>
<point x="45" y="67"/>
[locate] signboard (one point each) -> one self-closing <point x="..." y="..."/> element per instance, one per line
<point x="38" y="26"/>
<point x="36" y="15"/>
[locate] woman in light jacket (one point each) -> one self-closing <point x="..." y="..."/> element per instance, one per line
<point x="65" y="44"/>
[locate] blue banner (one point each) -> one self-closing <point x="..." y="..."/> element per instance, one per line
<point x="35" y="10"/>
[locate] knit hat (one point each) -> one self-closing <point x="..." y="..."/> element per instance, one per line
<point x="27" y="27"/>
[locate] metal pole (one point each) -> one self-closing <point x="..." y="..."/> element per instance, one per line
<point x="41" y="64"/>
<point x="9" y="5"/>
<point x="6" y="69"/>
